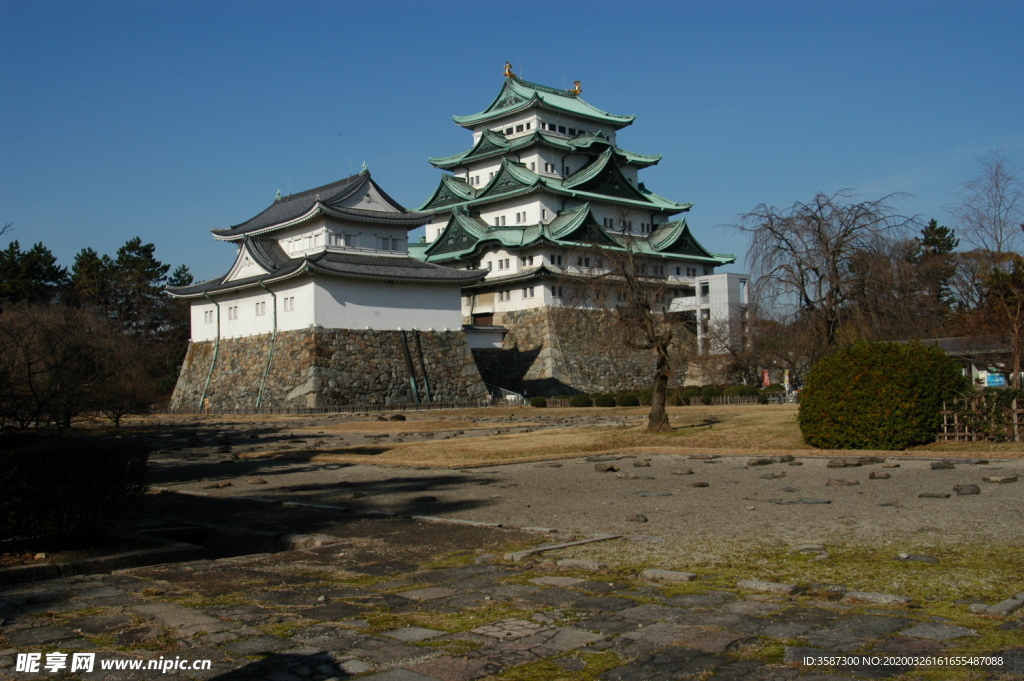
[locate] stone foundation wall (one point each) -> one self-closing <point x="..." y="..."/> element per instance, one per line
<point x="323" y="368"/>
<point x="560" y="351"/>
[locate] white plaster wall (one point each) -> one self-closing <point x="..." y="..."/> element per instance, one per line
<point x="385" y="305"/>
<point x="248" y="322"/>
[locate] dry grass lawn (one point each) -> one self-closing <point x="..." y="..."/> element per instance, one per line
<point x="471" y="439"/>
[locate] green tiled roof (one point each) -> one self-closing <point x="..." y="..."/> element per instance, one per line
<point x="495" y="144"/>
<point x="519" y="95"/>
<point x="599" y="181"/>
<point x="465" y="235"/>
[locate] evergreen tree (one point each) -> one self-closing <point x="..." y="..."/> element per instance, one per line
<point x="138" y="285"/>
<point x="31" y="275"/>
<point x="91" y="278"/>
<point x="936" y="265"/>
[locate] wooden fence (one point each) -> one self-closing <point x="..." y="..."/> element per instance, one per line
<point x="980" y="419"/>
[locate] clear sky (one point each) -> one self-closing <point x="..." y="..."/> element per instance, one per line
<point x="163" y="119"/>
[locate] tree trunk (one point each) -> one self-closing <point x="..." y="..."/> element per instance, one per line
<point x="657" y="420"/>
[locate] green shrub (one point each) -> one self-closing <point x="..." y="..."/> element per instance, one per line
<point x="538" y="402"/>
<point x="740" y="391"/>
<point x="775" y="388"/>
<point x="628" y="401"/>
<point x="604" y="401"/>
<point x="581" y="401"/>
<point x="878" y="396"/>
<point x="690" y="392"/>
<point x="69" y="486"/>
<point x="710" y="391"/>
<point x="645" y="397"/>
<point x="762" y="398"/>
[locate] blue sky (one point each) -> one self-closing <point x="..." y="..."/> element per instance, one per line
<point x="163" y="119"/>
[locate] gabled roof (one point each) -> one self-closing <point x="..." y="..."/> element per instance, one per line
<point x="346" y="265"/>
<point x="493" y="144"/>
<point x="465" y="236"/>
<point x="357" y="198"/>
<point x="519" y="95"/>
<point x="600" y="181"/>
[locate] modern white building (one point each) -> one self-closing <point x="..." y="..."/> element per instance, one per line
<point x="332" y="257"/>
<point x="545" y="189"/>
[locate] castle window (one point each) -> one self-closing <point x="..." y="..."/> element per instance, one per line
<point x="261" y="308"/>
<point x="556" y="260"/>
<point x="533" y="166"/>
<point x="543" y="213"/>
<point x="289" y="304"/>
<point x="519" y="128"/>
<point x="508" y="131"/>
<point x="233" y="312"/>
<point x="528" y="292"/>
<point x="556" y="291"/>
<point x="528" y="125"/>
<point x="572" y="131"/>
<point x="208" y="317"/>
<point x="561" y="129"/>
<point x="568" y="171"/>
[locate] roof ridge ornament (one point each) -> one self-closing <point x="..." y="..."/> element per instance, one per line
<point x="578" y="89"/>
<point x="508" y="71"/>
<point x="365" y="169"/>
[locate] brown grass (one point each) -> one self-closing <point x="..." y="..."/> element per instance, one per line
<point x="741" y="430"/>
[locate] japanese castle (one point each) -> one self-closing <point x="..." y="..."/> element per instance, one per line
<point x="543" y="180"/>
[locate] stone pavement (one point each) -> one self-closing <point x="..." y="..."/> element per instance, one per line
<point x="332" y="613"/>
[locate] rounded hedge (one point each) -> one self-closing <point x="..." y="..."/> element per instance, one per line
<point x="878" y="396"/>
<point x="711" y="391"/>
<point x="581" y="401"/>
<point x="538" y="401"/>
<point x="604" y="400"/>
<point x="628" y="401"/>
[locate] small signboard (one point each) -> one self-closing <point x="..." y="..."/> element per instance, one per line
<point x="995" y="380"/>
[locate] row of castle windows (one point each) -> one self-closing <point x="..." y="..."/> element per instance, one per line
<point x="210" y="316"/>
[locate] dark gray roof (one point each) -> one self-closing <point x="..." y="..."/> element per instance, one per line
<point x="295" y="206"/>
<point x="269" y="255"/>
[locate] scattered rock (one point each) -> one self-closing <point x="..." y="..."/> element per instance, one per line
<point x="978" y="462"/>
<point x="605" y="467"/>
<point x="919" y="558"/>
<point x="397" y="417"/>
<point x="796" y="463"/>
<point x="704" y="457"/>
<point x="1001" y="479"/>
<point x="424" y="500"/>
<point x="760" y="461"/>
<point x="842" y="463"/>
<point x="834" y="482"/>
<point x="875" y="475"/>
<point x="643" y="463"/>
<point x="868" y="460"/>
<point x="382" y="418"/>
<point x="876" y="599"/>
<point x="700" y="484"/>
<point x="627" y="476"/>
<point x="890" y="465"/>
<point x="638" y="518"/>
<point x="785" y="458"/>
<point x="257" y="481"/>
<point x="580" y="564"/>
<point x="942" y="466"/>
<point x="807" y="548"/>
<point x="683" y="471"/>
<point x="773" y="476"/>
<point x="766" y="587"/>
<point x="964" y="490"/>
<point x="667" y="576"/>
<point x="933" y="495"/>
<point x="218" y="485"/>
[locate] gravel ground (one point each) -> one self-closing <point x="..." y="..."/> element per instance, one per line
<point x="738" y="503"/>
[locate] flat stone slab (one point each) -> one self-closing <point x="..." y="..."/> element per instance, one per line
<point x="39" y="635"/>
<point x="413" y="634"/>
<point x="255" y="646"/>
<point x="935" y="631"/>
<point x="1000" y="479"/>
<point x="428" y="594"/>
<point x="557" y="581"/>
<point x="717" y="641"/>
<point x="876" y="599"/>
<point x="396" y="675"/>
<point x="580" y="564"/>
<point x="766" y="587"/>
<point x="1007" y="607"/>
<point x="183" y="620"/>
<point x="667" y="576"/>
<point x="99" y="624"/>
<point x="510" y="629"/>
<point x="456" y="668"/>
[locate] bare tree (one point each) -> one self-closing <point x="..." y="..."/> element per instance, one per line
<point x="626" y="285"/>
<point x="990" y="208"/>
<point x="803" y="259"/>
